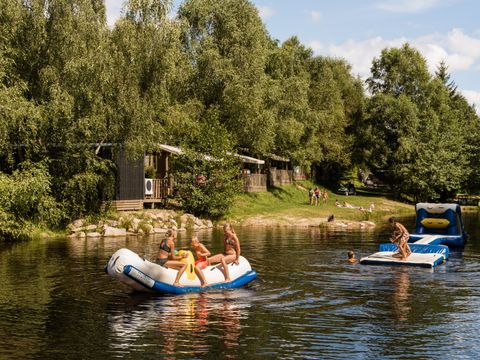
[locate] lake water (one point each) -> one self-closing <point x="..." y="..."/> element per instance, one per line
<point x="57" y="303"/>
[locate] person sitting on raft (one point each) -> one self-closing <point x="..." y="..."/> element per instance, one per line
<point x="201" y="253"/>
<point x="400" y="238"/>
<point x="231" y="251"/>
<point x="166" y="257"/>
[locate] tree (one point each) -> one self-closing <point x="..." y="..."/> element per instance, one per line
<point x="206" y="174"/>
<point x="414" y="131"/>
<point x="399" y="71"/>
<point x="228" y="44"/>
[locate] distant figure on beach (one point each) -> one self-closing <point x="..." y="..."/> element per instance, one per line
<point x="351" y="257"/>
<point x="337" y="203"/>
<point x="317" y="195"/>
<point x="325" y="196"/>
<point x="311" y="195"/>
<point x="400" y="238"/>
<point x="347" y="205"/>
<point x="371" y="207"/>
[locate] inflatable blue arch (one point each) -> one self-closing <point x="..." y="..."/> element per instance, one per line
<point x="439" y="224"/>
<point x="438" y="227"/>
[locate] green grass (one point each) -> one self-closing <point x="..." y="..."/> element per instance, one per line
<point x="292" y="202"/>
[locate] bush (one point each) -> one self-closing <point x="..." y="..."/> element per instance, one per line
<point x="206" y="174"/>
<point x="26" y="200"/>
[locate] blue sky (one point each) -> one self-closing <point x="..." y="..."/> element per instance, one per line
<point x="357" y="30"/>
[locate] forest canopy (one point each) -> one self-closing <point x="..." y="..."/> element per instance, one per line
<point x="68" y="80"/>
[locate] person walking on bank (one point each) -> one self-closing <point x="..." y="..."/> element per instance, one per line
<point x="311" y="195"/>
<point x="317" y="195"/>
<point x="325" y="196"/>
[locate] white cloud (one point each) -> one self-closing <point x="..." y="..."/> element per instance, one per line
<point x="473" y="97"/>
<point x="265" y="12"/>
<point x="360" y="54"/>
<point x="316" y="46"/>
<point x="463" y="44"/>
<point x="407" y="6"/>
<point x="458" y="50"/>
<point x="315" y="16"/>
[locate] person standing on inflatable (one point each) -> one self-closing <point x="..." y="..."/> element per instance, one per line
<point x="400" y="238"/>
<point x="231" y="250"/>
<point x="201" y="252"/>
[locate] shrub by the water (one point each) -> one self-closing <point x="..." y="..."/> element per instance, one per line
<point x="26" y="201"/>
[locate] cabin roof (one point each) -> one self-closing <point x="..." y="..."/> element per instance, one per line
<point x="178" y="151"/>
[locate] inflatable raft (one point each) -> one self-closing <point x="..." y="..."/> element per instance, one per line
<point x="437" y="228"/>
<point x="143" y="275"/>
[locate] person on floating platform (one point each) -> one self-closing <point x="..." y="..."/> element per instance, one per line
<point x="231" y="252"/>
<point x="166" y="257"/>
<point x="201" y="252"/>
<point x="400" y="238"/>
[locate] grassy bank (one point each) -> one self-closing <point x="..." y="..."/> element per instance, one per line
<point x="290" y="204"/>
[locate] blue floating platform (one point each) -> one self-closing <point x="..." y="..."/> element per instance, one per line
<point x="438" y="226"/>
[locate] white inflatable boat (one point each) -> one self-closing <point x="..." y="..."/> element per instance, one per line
<point x="143" y="275"/>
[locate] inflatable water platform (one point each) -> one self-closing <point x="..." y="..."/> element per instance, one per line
<point x="438" y="227"/>
<point x="143" y="275"/>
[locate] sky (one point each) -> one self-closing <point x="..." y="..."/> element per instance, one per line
<point x="357" y="31"/>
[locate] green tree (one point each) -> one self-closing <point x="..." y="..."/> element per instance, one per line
<point x="228" y="44"/>
<point x="206" y="174"/>
<point x="414" y="130"/>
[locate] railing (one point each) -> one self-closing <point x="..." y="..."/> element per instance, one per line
<point x="161" y="189"/>
<point x="280" y="177"/>
<point x="254" y="182"/>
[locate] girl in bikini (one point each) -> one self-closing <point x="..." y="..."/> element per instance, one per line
<point x="166" y="257"/>
<point x="231" y="252"/>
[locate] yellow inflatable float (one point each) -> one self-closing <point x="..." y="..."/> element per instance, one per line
<point x="434" y="223"/>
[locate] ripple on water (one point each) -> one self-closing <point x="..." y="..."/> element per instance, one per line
<point x="306" y="303"/>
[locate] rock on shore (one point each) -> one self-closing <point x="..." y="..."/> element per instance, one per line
<point x="138" y="224"/>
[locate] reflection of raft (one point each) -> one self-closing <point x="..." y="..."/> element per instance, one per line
<point x="143" y="275"/>
<point x="438" y="226"/>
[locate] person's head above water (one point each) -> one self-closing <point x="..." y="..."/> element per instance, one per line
<point x="351" y="255"/>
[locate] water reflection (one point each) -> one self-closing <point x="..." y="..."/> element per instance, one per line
<point x="401" y="294"/>
<point x="56" y="302"/>
<point x="180" y="324"/>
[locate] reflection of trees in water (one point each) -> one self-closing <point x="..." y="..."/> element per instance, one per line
<point x="181" y="324"/>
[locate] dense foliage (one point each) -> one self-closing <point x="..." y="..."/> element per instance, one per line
<point x="70" y="83"/>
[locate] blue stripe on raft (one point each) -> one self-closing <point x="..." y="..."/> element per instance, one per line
<point x="420" y="248"/>
<point x="167" y="288"/>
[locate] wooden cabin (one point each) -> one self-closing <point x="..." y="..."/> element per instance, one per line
<point x="278" y="171"/>
<point x="133" y="189"/>
<point x="253" y="178"/>
<point x="147" y="181"/>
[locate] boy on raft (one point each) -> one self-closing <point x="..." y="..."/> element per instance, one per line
<point x="201" y="253"/>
